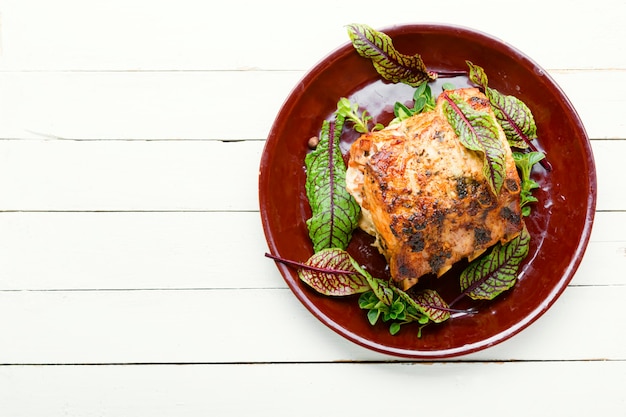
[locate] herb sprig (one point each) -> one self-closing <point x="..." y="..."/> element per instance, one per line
<point x="423" y="101"/>
<point x="334" y="272"/>
<point x="524" y="161"/>
<point x="350" y="111"/>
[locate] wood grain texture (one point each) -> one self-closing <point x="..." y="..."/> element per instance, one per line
<point x="259" y="326"/>
<point x="542" y="388"/>
<point x="173" y="175"/>
<point x="197" y="35"/>
<point x="215" y="105"/>
<point x="132" y="275"/>
<point x="191" y="250"/>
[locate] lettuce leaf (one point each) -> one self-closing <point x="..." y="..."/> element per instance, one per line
<point x="514" y="116"/>
<point x="335" y="212"/>
<point x="332" y="273"/>
<point x="489" y="276"/>
<point x="429" y="303"/>
<point x="478" y="131"/>
<point x="388" y="62"/>
<point x="382" y="290"/>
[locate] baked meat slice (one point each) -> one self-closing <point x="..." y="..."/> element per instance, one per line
<point x="424" y="195"/>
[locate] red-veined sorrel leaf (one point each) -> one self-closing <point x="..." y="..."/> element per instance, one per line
<point x="380" y="288"/>
<point x="335" y="212"/>
<point x="429" y="303"/>
<point x="489" y="276"/>
<point x="478" y="131"/>
<point x="332" y="273"/>
<point x="390" y="64"/>
<point x="514" y="116"/>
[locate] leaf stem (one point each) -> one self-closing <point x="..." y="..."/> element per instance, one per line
<point x="471" y="288"/>
<point x="450" y="73"/>
<point x="544" y="162"/>
<point x="302" y="265"/>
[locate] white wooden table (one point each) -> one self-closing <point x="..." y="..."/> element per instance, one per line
<point x="132" y="275"/>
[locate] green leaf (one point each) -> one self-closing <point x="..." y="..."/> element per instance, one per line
<point x="429" y="303"/>
<point x="448" y="86"/>
<point x="421" y="90"/>
<point x="397" y="310"/>
<point x="350" y="112"/>
<point x="389" y="63"/>
<point x="335" y="212"/>
<point x="423" y="100"/>
<point x="372" y="316"/>
<point x="487" y="277"/>
<point x="401" y="111"/>
<point x="329" y="274"/>
<point x="394" y="328"/>
<point x="478" y="131"/>
<point x="524" y="163"/>
<point x="368" y="300"/>
<point x="418" y="106"/>
<point x="379" y="287"/>
<point x="513" y="115"/>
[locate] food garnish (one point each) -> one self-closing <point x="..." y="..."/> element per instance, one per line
<point x="390" y="64"/>
<point x="478" y="131"/>
<point x="514" y="116"/>
<point x="336" y="213"/>
<point x="489" y="276"/>
<point x="350" y="111"/>
<point x="525" y="162"/>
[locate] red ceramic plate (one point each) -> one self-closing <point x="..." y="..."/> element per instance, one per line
<point x="560" y="223"/>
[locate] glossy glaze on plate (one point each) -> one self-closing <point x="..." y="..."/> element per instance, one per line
<point x="560" y="223"/>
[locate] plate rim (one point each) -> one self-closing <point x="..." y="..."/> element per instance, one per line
<point x="525" y="321"/>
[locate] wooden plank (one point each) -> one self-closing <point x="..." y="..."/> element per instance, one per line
<point x="226" y="326"/>
<point x="102" y="250"/>
<point x="142" y="105"/>
<point x="215" y="105"/>
<point x="174" y="175"/>
<point x="191" y="250"/>
<point x="72" y="35"/>
<point x="606" y="252"/>
<point x="608" y="157"/>
<point x="129" y="175"/>
<point x="556" y="388"/>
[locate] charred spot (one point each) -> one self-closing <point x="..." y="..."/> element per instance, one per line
<point x="461" y="188"/>
<point x="417" y="222"/>
<point x="473" y="207"/>
<point x="475" y="186"/>
<point x="438" y="260"/>
<point x="511" y="185"/>
<point x="510" y="215"/>
<point x="438" y="217"/>
<point x="481" y="236"/>
<point x="416" y="242"/>
<point x="393" y="226"/>
<point x="478" y="101"/>
<point x="485" y="199"/>
<point x="404" y="270"/>
<point x="407" y="227"/>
